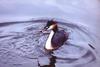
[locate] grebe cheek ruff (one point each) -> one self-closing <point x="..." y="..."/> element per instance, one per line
<point x="52" y="27"/>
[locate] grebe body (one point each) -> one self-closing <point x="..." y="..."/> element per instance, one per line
<point x="56" y="37"/>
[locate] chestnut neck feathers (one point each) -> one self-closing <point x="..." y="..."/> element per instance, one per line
<point x="53" y="24"/>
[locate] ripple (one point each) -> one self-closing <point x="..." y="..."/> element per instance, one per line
<point x="28" y="45"/>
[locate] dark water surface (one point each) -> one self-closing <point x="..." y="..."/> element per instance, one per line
<point x="22" y="45"/>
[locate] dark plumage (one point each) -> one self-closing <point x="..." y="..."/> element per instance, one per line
<point x="59" y="38"/>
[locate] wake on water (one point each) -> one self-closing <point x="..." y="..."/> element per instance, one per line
<point x="23" y="39"/>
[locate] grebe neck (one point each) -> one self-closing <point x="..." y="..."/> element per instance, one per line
<point x="48" y="42"/>
<point x="55" y="29"/>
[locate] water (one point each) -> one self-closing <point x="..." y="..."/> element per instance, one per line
<point x="22" y="45"/>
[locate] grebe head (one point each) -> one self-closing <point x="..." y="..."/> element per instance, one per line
<point x="51" y="25"/>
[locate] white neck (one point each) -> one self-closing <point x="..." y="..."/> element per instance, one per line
<point x="48" y="42"/>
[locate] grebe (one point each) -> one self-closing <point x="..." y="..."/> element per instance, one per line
<point x="56" y="37"/>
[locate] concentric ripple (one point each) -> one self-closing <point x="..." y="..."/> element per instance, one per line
<point x="22" y="45"/>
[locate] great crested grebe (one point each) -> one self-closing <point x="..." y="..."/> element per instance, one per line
<point x="56" y="37"/>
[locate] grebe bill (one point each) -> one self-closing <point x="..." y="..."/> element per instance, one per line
<point x="48" y="45"/>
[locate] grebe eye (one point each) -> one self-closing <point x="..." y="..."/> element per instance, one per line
<point x="47" y="27"/>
